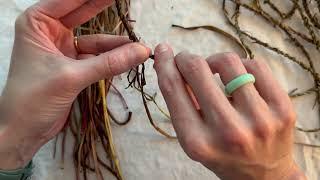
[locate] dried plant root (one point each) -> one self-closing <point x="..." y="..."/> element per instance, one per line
<point x="308" y="145"/>
<point x="289" y="32"/>
<point x="283" y="15"/>
<point x="138" y="81"/>
<point x="93" y="125"/>
<point x="222" y="32"/>
<point x="313" y="18"/>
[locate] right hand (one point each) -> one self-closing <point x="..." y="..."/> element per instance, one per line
<point x="248" y="137"/>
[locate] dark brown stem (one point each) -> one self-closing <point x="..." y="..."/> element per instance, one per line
<point x="318" y="3"/>
<point x="243" y="47"/>
<point x="257" y="9"/>
<point x="275" y="8"/>
<point x="307" y="92"/>
<point x="308" y="145"/>
<point x="55" y="146"/>
<point x="307" y="24"/>
<point x="279" y="12"/>
<point x="313" y="18"/>
<point x="242" y="40"/>
<point x="63" y="147"/>
<point x="128" y="119"/>
<point x="125" y="22"/>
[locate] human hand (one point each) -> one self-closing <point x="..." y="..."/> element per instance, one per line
<point x="247" y="137"/>
<point x="45" y="77"/>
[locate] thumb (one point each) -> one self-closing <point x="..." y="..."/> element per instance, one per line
<point x="111" y="63"/>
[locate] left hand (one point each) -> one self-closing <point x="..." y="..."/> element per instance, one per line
<point x="246" y="137"/>
<point x="45" y="77"/>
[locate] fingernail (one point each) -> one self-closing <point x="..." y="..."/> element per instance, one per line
<point x="149" y="50"/>
<point x="185" y="52"/>
<point x="162" y="48"/>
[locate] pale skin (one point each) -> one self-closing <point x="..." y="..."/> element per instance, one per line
<point x="247" y="137"/>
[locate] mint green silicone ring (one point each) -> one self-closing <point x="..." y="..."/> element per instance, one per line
<point x="239" y="82"/>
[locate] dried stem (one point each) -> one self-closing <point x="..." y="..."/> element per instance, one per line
<point x="258" y="10"/>
<point x="94" y="123"/>
<point x="138" y="81"/>
<point x="224" y="33"/>
<point x="312" y="18"/>
<point x="307" y="24"/>
<point x="283" y="15"/>
<point x="318" y="3"/>
<point x="242" y="39"/>
<point x="292" y="94"/>
<point x="308" y="130"/>
<point x="125" y="22"/>
<point x="308" y="145"/>
<point x="113" y="154"/>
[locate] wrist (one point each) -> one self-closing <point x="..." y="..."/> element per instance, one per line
<point x="288" y="171"/>
<point x="17" y="144"/>
<point x="15" y="151"/>
<point x="285" y="169"/>
<point x="295" y="174"/>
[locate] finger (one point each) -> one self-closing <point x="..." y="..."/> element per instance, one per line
<point x="229" y="66"/>
<point x="85" y="56"/>
<point x="100" y="43"/>
<point x="267" y="86"/>
<point x="114" y="62"/>
<point x="185" y="117"/>
<point x="85" y="12"/>
<point x="246" y="99"/>
<point x="59" y="8"/>
<point x="212" y="100"/>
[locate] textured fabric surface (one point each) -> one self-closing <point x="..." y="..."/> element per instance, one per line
<point x="143" y="153"/>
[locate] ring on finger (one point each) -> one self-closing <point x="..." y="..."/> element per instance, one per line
<point x="76" y="44"/>
<point x="238" y="82"/>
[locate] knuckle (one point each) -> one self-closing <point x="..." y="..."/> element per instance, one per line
<point x="168" y="82"/>
<point x="230" y="56"/>
<point x="224" y="60"/>
<point x="264" y="131"/>
<point x="94" y="4"/>
<point x="287" y="118"/>
<point x="162" y="49"/>
<point x="196" y="148"/>
<point x="229" y="60"/>
<point x="194" y="65"/>
<point x="233" y="138"/>
<point x="236" y="141"/>
<point x="284" y="112"/>
<point x="264" y="124"/>
<point x="114" y="63"/>
<point x="257" y="65"/>
<point x="97" y="42"/>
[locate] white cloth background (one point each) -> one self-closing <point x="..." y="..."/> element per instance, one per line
<point x="143" y="153"/>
